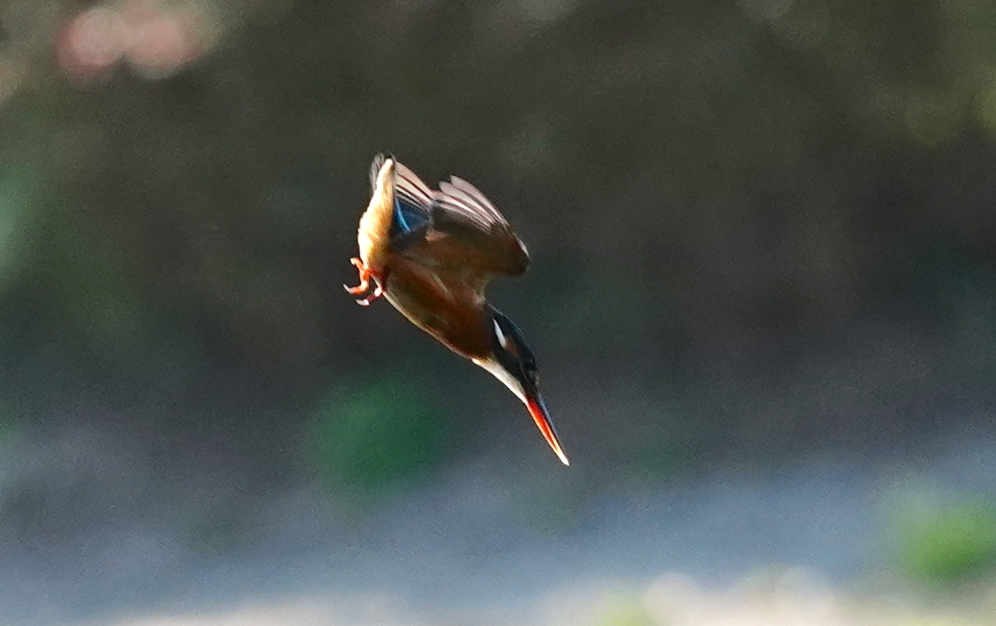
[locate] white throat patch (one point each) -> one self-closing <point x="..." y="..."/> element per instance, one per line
<point x="499" y="372"/>
<point x="501" y="336"/>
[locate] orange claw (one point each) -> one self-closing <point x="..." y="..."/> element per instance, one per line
<point x="365" y="275"/>
<point x="377" y="292"/>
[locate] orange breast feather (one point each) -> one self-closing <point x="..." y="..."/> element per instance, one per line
<point x="375" y="224"/>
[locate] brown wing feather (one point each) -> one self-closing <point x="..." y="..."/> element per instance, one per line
<point x="410" y="187"/>
<point x="469" y="237"/>
<point x="440" y="304"/>
<point x="462" y="201"/>
<point x="459" y="259"/>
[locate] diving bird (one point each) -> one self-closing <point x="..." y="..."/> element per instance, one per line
<point x="431" y="253"/>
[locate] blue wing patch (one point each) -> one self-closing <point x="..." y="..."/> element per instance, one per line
<point x="412" y="213"/>
<point x="408" y="218"/>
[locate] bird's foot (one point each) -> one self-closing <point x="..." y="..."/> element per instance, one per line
<point x="365" y="275"/>
<point x="377" y="292"/>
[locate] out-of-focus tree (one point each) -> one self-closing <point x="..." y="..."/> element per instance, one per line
<point x="717" y="196"/>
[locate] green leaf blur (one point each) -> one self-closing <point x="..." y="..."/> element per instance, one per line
<point x="947" y="543"/>
<point x="385" y="434"/>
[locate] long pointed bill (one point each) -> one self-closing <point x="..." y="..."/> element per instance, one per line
<point x="537" y="409"/>
<point x="533" y="401"/>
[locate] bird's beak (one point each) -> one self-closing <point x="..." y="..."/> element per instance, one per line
<point x="531" y="398"/>
<point x="537" y="409"/>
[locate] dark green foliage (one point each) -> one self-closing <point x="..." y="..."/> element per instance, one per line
<point x="945" y="543"/>
<point x="380" y="435"/>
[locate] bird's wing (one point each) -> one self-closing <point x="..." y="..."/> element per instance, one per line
<point x="459" y="201"/>
<point x="412" y="198"/>
<point x="468" y="240"/>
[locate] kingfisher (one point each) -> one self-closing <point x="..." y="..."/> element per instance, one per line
<point x="431" y="253"/>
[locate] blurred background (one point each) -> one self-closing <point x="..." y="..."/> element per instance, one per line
<point x="762" y="297"/>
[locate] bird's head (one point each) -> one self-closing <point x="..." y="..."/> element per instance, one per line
<point x="513" y="363"/>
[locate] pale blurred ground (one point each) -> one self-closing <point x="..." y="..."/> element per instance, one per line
<point x="810" y="543"/>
